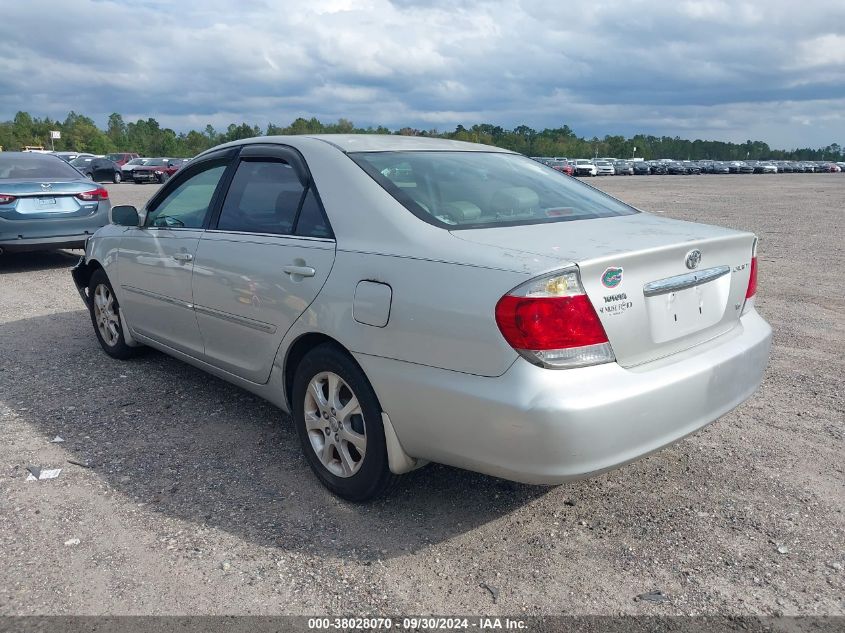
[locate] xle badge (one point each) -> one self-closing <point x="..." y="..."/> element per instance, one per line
<point x="611" y="277"/>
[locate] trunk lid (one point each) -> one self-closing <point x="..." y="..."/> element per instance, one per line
<point x="58" y="199"/>
<point x="633" y="269"/>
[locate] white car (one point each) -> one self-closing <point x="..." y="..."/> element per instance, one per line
<point x="584" y="167"/>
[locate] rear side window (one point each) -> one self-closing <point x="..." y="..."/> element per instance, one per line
<point x="266" y="196"/>
<point x="456" y="190"/>
<point x="263" y="198"/>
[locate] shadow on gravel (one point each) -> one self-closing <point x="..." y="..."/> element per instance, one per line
<point x="38" y="260"/>
<point x="193" y="447"/>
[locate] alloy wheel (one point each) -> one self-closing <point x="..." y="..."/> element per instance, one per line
<point x="105" y="315"/>
<point x="335" y="424"/>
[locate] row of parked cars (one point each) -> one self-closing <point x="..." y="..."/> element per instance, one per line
<point x="617" y="167"/>
<point x="123" y="166"/>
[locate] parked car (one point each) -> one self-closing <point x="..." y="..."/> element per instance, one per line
<point x="718" y="167"/>
<point x="676" y="169"/>
<point x="584" y="167"/>
<point x="604" y="168"/>
<point x="45" y="203"/>
<point x="746" y="168"/>
<point x="129" y="167"/>
<point x="658" y="168"/>
<point x="156" y="170"/>
<point x="121" y="158"/>
<point x="562" y="166"/>
<point x="98" y="169"/>
<point x="623" y="168"/>
<point x="69" y="156"/>
<point x="693" y="169"/>
<point x="765" y="168"/>
<point x="321" y="273"/>
<point x="642" y="168"/>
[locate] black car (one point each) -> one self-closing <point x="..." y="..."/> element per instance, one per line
<point x="98" y="169"/>
<point x="718" y="168"/>
<point x="676" y="169"/>
<point x="693" y="168"/>
<point x="658" y="168"/>
<point x="642" y="168"/>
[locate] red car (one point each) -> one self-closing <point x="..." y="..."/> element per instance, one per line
<point x="121" y="158"/>
<point x="561" y="166"/>
<point x="157" y="170"/>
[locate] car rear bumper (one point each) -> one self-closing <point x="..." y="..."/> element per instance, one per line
<point x="48" y="233"/>
<point x="545" y="426"/>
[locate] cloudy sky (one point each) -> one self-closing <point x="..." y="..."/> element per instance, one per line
<point x="768" y="69"/>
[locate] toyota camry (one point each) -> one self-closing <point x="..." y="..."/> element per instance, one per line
<point x="411" y="300"/>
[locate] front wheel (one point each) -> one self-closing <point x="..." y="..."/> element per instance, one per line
<point x="105" y="315"/>
<point x="338" y="420"/>
<point x="117" y="177"/>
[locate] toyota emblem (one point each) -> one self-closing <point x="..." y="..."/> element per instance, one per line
<point x="693" y="259"/>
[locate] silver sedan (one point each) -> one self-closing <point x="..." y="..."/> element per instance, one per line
<point x="412" y="299"/>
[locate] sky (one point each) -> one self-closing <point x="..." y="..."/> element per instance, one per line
<point x="767" y="70"/>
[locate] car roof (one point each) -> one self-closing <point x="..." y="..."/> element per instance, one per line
<point x="378" y="143"/>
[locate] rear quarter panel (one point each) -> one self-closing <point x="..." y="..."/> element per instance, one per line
<point x="441" y="314"/>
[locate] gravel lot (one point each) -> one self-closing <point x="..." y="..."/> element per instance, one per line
<point x="197" y="499"/>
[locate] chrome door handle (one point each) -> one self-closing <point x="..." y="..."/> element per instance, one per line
<point x="302" y="271"/>
<point x="183" y="257"/>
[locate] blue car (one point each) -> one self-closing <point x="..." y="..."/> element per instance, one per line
<point x="45" y="203"/>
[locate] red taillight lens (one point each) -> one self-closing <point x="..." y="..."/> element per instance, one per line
<point x="752" y="279"/>
<point x="97" y="194"/>
<point x="544" y="323"/>
<point x="6" y="199"/>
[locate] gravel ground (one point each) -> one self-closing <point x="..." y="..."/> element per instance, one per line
<point x="197" y="499"/>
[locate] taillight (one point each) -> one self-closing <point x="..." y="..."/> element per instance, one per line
<point x="551" y="322"/>
<point x="96" y="194"/>
<point x="752" y="280"/>
<point x="6" y="198"/>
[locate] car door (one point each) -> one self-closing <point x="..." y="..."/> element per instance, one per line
<point x="263" y="260"/>
<point x="156" y="261"/>
<point x="102" y="169"/>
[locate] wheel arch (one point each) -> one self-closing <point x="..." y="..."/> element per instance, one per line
<point x="399" y="461"/>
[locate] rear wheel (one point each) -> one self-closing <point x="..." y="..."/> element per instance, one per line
<point x="105" y="315"/>
<point x="338" y="420"/>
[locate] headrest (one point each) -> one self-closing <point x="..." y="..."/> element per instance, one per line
<point x="514" y="200"/>
<point x="462" y="211"/>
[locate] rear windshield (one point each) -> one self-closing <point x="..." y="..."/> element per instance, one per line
<point x="35" y="166"/>
<point x="462" y="190"/>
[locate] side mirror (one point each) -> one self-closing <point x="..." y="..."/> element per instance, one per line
<point x="124" y="215"/>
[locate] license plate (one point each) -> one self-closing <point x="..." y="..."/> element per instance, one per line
<point x="46" y="202"/>
<point x="680" y="313"/>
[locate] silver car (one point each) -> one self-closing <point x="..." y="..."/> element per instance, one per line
<point x="413" y="299"/>
<point x="45" y="203"/>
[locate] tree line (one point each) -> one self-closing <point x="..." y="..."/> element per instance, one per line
<point x="148" y="138"/>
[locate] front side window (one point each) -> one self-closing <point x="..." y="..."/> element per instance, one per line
<point x="186" y="206"/>
<point x="457" y="190"/>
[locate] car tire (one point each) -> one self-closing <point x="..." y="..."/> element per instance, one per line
<point x="163" y="178"/>
<point x="105" y="317"/>
<point x="347" y="454"/>
<point x="117" y="177"/>
<point x="89" y="176"/>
